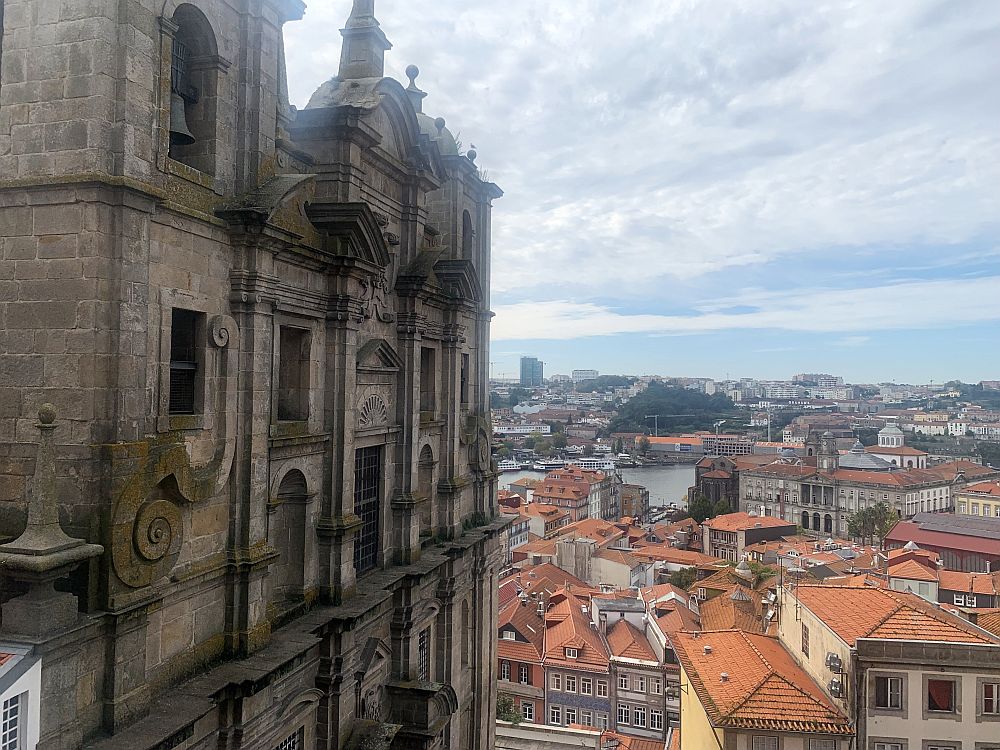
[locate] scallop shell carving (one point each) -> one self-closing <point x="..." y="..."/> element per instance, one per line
<point x="373" y="412"/>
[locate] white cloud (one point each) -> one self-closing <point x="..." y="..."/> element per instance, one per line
<point x="653" y="141"/>
<point x="913" y="305"/>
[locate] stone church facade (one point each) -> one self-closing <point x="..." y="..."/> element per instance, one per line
<point x="264" y="333"/>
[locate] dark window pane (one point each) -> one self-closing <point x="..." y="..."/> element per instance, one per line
<point x="367" y="473"/>
<point x="183" y="361"/>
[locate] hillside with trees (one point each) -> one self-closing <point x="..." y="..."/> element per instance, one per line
<point x="680" y="410"/>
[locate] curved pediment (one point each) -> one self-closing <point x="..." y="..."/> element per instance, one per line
<point x="352" y="231"/>
<point x="459" y="278"/>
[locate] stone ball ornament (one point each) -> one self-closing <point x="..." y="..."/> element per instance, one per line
<point x="46" y="414"/>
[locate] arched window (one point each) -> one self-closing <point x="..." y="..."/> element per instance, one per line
<point x="468" y="235"/>
<point x="828" y="524"/>
<point x="805" y="520"/>
<point x="286" y="533"/>
<point x="816" y="522"/>
<point x="194" y="90"/>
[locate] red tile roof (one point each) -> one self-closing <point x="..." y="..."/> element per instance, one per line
<point x="529" y="625"/>
<point x="566" y="626"/>
<point x="739" y="608"/>
<point x="974" y="583"/>
<point x="949" y="469"/>
<point x="903" y="450"/>
<point x="907" y="531"/>
<point x="625" y="640"/>
<point x="854" y="613"/>
<point x="912" y="570"/>
<point x="984" y="488"/>
<point x="742" y="521"/>
<point x="749" y="681"/>
<point x="668" y="554"/>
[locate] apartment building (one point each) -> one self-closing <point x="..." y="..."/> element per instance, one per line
<point x="729" y="535"/>
<point x="637" y="673"/>
<point x="744" y="691"/>
<point x="909" y="675"/>
<point x="979" y="499"/>
<point x="577" y="664"/>
<point x="521" y="634"/>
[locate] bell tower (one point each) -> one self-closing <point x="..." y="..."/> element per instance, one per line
<point x="828" y="457"/>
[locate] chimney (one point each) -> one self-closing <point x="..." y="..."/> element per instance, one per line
<point x="707" y="650"/>
<point x="724" y="677"/>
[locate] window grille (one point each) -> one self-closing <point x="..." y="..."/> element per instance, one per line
<point x="10" y="725"/>
<point x="291" y="742"/>
<point x="183" y="361"/>
<point x="424" y="656"/>
<point x="179" y="67"/>
<point x="367" y="474"/>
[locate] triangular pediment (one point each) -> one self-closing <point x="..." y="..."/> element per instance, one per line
<point x="378" y="354"/>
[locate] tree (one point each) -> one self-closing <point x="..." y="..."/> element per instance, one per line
<point x="701" y="509"/>
<point x="619" y="446"/>
<point x="588" y="450"/>
<point x="683" y="578"/>
<point x="643" y="445"/>
<point x="989" y="452"/>
<point x="871" y="523"/>
<point x="559" y="440"/>
<point x="679" y="410"/>
<point x="506" y="711"/>
<point x="721" y="508"/>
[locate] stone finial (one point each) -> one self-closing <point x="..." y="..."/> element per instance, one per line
<point x="43" y="534"/>
<point x="365" y="45"/>
<point x="472" y="154"/>
<point x="439" y="123"/>
<point x="415" y="94"/>
<point x="44" y="552"/>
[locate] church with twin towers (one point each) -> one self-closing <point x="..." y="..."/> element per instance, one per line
<point x="247" y="497"/>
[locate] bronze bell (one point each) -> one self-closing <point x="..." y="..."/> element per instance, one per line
<point x="180" y="134"/>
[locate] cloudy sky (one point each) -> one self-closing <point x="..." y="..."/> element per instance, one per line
<point x="713" y="187"/>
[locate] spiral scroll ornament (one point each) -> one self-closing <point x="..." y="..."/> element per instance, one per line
<point x="157" y="528"/>
<point x="219" y="329"/>
<point x="146" y="549"/>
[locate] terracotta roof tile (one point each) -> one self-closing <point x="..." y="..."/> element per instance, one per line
<point x="854" y="613"/>
<point x="567" y="626"/>
<point x="624" y="639"/>
<point x="913" y="571"/>
<point x="984" y="488"/>
<point x="742" y="521"/>
<point x="762" y="689"/>
<point x="989" y="621"/>
<point x="739" y="608"/>
<point x="975" y="583"/>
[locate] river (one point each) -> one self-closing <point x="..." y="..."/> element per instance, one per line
<point x="667" y="483"/>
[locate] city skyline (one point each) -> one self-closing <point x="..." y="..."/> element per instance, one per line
<point x="680" y="195"/>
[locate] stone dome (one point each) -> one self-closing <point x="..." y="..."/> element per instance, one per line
<point x="446" y="142"/>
